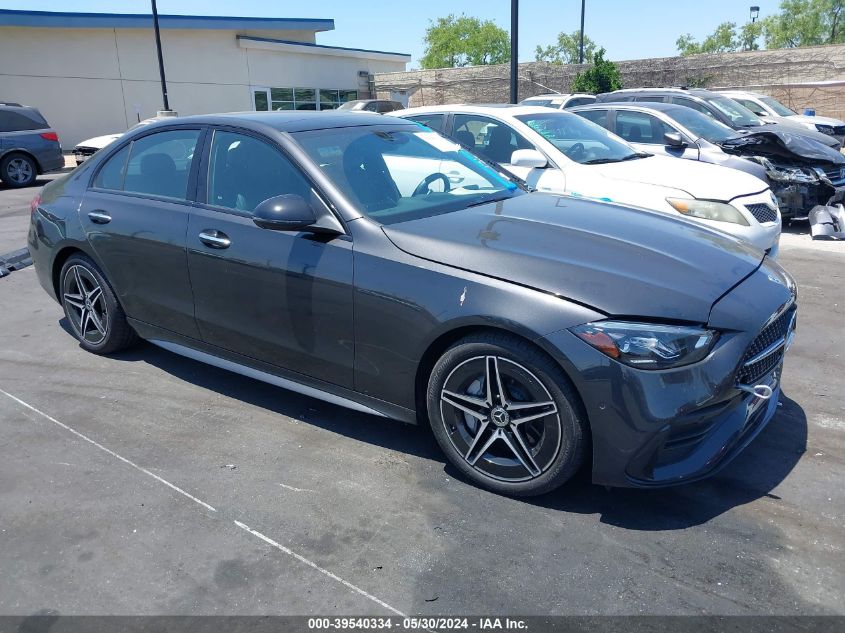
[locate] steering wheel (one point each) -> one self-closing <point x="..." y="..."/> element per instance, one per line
<point x="423" y="189"/>
<point x="577" y="152"/>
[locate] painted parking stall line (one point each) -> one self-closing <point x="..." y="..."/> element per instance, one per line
<point x="266" y="539"/>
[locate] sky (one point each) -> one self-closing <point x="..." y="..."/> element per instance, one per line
<point x="628" y="29"/>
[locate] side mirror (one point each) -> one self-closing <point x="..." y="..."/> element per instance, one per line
<point x="284" y="213"/>
<point x="674" y="139"/>
<point x="528" y="158"/>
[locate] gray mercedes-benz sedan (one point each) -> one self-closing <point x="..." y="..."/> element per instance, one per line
<point x="375" y="264"/>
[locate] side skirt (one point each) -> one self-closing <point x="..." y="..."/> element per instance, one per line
<point x="266" y="373"/>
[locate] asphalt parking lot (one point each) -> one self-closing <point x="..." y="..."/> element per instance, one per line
<point x="146" y="483"/>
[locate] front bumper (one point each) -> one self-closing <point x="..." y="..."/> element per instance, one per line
<point x="659" y="428"/>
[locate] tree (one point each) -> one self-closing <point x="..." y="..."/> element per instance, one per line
<point x="566" y="50"/>
<point x="724" y="39"/>
<point x="602" y="76"/>
<point x="751" y="32"/>
<point x="456" y="41"/>
<point x="806" y="23"/>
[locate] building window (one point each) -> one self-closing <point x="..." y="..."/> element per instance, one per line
<point x="300" y="98"/>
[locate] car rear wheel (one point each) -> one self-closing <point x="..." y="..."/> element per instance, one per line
<point x="18" y="170"/>
<point x="91" y="308"/>
<point x="506" y="415"/>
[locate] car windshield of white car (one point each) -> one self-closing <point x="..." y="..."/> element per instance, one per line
<point x="579" y="139"/>
<point x="778" y="107"/>
<point x="394" y="174"/>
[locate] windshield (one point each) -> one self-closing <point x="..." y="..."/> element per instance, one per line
<point x="778" y="107"/>
<point x="739" y="115"/>
<point x="701" y="125"/>
<point x="579" y="139"/>
<point x="396" y="174"/>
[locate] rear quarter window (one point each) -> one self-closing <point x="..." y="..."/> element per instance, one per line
<point x="21" y="120"/>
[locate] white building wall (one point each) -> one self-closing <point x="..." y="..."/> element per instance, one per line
<point x="89" y="82"/>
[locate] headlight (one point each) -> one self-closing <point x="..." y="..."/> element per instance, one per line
<point x="825" y="129"/>
<point x="647" y="345"/>
<point x="708" y="210"/>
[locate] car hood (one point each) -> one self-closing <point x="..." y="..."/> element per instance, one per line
<point x="622" y="261"/>
<point x="787" y="126"/>
<point x="820" y="120"/>
<point x="783" y="144"/>
<point x="99" y="142"/>
<point x="701" y="180"/>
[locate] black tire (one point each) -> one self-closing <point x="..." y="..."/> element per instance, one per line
<point x="525" y="458"/>
<point x="105" y="329"/>
<point x="18" y="170"/>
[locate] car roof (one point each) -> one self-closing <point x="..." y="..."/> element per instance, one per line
<point x="506" y="109"/>
<point x="643" y="105"/>
<point x="286" y="121"/>
<point x="695" y="92"/>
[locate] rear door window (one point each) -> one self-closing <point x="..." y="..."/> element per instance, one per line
<point x="433" y="121"/>
<point x="599" y="117"/>
<point x="112" y="172"/>
<point x="689" y="103"/>
<point x="160" y="164"/>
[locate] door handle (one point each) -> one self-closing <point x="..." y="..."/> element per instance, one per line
<point x="99" y="217"/>
<point x="215" y="239"/>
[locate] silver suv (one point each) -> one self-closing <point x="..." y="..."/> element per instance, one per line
<point x="28" y="145"/>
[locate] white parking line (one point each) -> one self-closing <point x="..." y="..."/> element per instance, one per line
<point x="110" y="452"/>
<point x="243" y="526"/>
<point x="313" y="565"/>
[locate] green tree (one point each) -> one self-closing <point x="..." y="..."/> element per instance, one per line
<point x="566" y="49"/>
<point x="602" y="76"/>
<point x="461" y="40"/>
<point x="751" y="32"/>
<point x="724" y="39"/>
<point x="806" y="23"/>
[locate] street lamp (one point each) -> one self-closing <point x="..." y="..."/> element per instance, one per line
<point x="164" y="98"/>
<point x="755" y="13"/>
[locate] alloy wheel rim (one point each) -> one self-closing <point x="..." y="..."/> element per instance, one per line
<point x="501" y="418"/>
<point x="86" y="305"/>
<point x="19" y="170"/>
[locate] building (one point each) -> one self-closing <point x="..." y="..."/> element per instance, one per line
<point x="97" y="73"/>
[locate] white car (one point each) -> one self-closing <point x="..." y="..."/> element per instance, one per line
<point x="560" y="152"/>
<point x="89" y="147"/>
<point x="559" y="101"/>
<point x="770" y="109"/>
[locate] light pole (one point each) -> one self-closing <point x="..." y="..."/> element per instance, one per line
<point x="514" y="51"/>
<point x="755" y="13"/>
<point x="581" y="44"/>
<point x="160" y="59"/>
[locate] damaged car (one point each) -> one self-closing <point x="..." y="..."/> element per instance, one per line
<point x="801" y="172"/>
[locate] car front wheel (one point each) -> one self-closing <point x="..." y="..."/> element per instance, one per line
<point x="506" y="415"/>
<point x="91" y="308"/>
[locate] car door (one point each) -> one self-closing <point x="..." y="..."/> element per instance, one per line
<point x="646" y="132"/>
<point x="284" y="298"/>
<point x="135" y="215"/>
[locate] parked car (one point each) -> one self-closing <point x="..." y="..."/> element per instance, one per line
<point x="372" y="105"/>
<point x="770" y="109"/>
<point x="559" y="101"/>
<point x="377" y="265"/>
<point x="561" y="152"/>
<point x="800" y="172"/>
<point x="28" y="145"/>
<point x="717" y="107"/>
<point x="87" y="148"/>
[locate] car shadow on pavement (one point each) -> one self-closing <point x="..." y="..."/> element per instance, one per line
<point x="754" y="474"/>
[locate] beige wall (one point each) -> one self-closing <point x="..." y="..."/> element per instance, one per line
<point x="89" y="82"/>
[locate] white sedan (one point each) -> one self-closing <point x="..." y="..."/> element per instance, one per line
<point x="560" y="152"/>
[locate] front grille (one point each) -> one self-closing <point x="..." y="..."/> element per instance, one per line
<point x="774" y="333"/>
<point x="836" y="174"/>
<point x="762" y="212"/>
<point x="839" y="130"/>
<point x="84" y="151"/>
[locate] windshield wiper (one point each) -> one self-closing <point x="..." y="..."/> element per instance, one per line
<point x="601" y="161"/>
<point x="637" y="155"/>
<point x="488" y="200"/>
